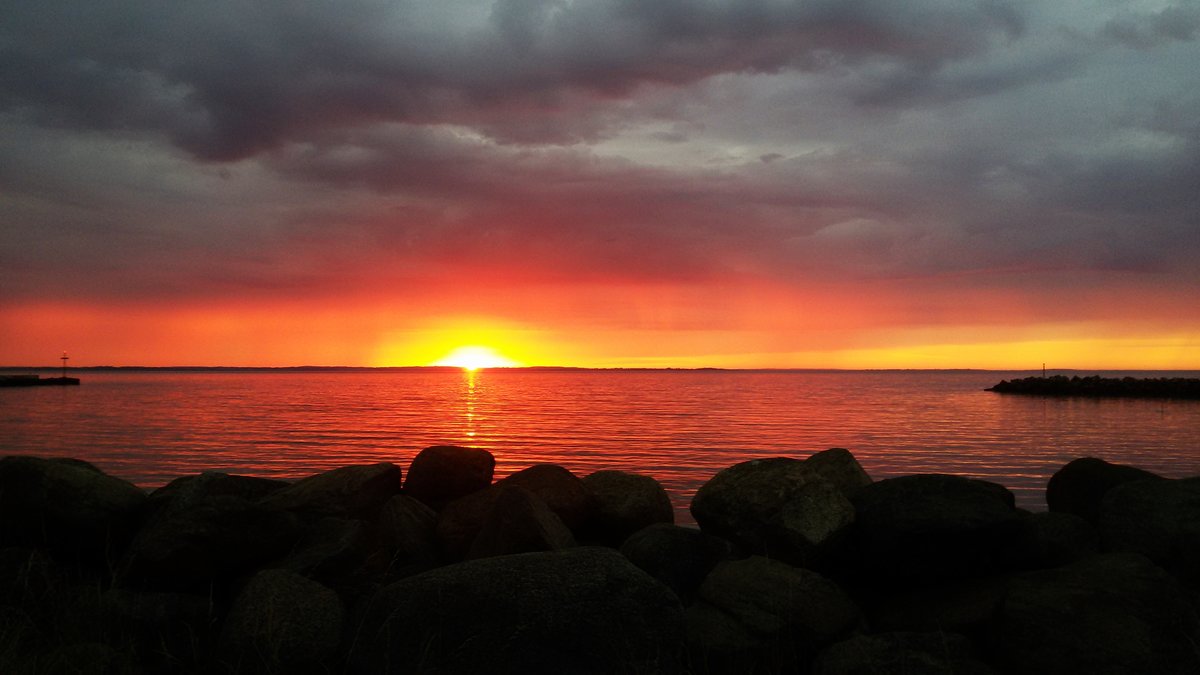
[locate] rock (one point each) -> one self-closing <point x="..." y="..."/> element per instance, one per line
<point x="1059" y="538"/>
<point x="166" y="629"/>
<point x="67" y="505"/>
<point x="934" y="653"/>
<point x="190" y="489"/>
<point x="461" y="520"/>
<point x="405" y="534"/>
<point x="519" y="522"/>
<point x="282" y="623"/>
<point x="962" y="606"/>
<point x="839" y="467"/>
<point x="680" y="557"/>
<point x="811" y="526"/>
<point x="88" y="658"/>
<point x="564" y="492"/>
<point x="931" y="527"/>
<point x="328" y="549"/>
<point x="1080" y="486"/>
<point x="580" y="611"/>
<point x="782" y="507"/>
<point x="759" y="614"/>
<point x="347" y="492"/>
<point x="625" y="503"/>
<point x="1111" y="614"/>
<point x="443" y="473"/>
<point x="1158" y="518"/>
<point x="187" y="545"/>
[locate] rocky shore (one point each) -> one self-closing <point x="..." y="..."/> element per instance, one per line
<point x="1095" y="386"/>
<point x="799" y="565"/>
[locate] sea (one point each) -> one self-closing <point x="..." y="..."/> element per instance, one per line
<point x="680" y="426"/>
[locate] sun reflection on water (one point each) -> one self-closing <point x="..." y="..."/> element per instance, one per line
<point x="469" y="376"/>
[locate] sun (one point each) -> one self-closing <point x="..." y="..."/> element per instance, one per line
<point x="474" y="357"/>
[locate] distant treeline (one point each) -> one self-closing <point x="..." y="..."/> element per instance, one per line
<point x="1131" y="387"/>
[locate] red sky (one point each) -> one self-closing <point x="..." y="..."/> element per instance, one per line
<point x="737" y="184"/>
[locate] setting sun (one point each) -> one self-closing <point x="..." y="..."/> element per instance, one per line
<point x="475" y="357"/>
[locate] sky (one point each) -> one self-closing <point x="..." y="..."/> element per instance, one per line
<point x="754" y="183"/>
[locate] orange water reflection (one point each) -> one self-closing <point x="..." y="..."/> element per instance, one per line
<point x="680" y="426"/>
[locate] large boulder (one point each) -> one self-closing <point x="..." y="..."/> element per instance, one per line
<point x="565" y="493"/>
<point x="195" y="542"/>
<point x="404" y="533"/>
<point x="282" y="622"/>
<point x="680" y="557"/>
<point x="910" y="653"/>
<point x="329" y="549"/>
<point x="1159" y="519"/>
<point x="1058" y="537"/>
<point x="167" y="630"/>
<point x="762" y="615"/>
<point x="625" y="503"/>
<point x="519" y="522"/>
<point x="443" y="473"/>
<point x="839" y="467"/>
<point x="964" y="606"/>
<point x="1081" y="484"/>
<point x="581" y="611"/>
<point x="356" y="491"/>
<point x="463" y="519"/>
<point x="191" y="489"/>
<point x="788" y="508"/>
<point x="66" y="504"/>
<point x="1111" y="614"/>
<point x="927" y="528"/>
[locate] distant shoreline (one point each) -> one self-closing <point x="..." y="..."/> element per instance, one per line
<point x="455" y="369"/>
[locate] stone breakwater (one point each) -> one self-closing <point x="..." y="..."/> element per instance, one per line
<point x="1102" y="387"/>
<point x="798" y="566"/>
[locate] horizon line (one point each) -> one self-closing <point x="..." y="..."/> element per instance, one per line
<point x="310" y="368"/>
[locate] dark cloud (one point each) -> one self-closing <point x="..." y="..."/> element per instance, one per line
<point x="226" y="80"/>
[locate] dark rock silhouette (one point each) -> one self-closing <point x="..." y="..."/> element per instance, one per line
<point x="584" y="611"/>
<point x="346" y="492"/>
<point x="443" y="473"/>
<point x="1115" y="613"/>
<point x="67" y="505"/>
<point x="565" y="493"/>
<point x="404" y="533"/>
<point x="1159" y="519"/>
<point x="282" y="622"/>
<point x="1095" y="386"/>
<point x="930" y="527"/>
<point x="625" y="503"/>
<point x="519" y="522"/>
<point x="680" y="557"/>
<point x="787" y="508"/>
<point x="189" y="545"/>
<point x="759" y="614"/>
<point x="911" y="653"/>
<point x="559" y="490"/>
<point x="343" y="572"/>
<point x="1080" y="486"/>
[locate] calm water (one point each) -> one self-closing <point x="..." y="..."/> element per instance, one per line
<point x="680" y="426"/>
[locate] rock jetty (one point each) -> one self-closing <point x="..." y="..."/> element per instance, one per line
<point x="1095" y="386"/>
<point x="800" y="565"/>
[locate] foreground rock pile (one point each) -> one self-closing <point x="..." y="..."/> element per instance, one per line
<point x="798" y="566"/>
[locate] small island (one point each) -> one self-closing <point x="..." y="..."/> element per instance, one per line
<point x="1095" y="386"/>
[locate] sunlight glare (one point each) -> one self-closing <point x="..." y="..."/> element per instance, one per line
<point x="474" y="357"/>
